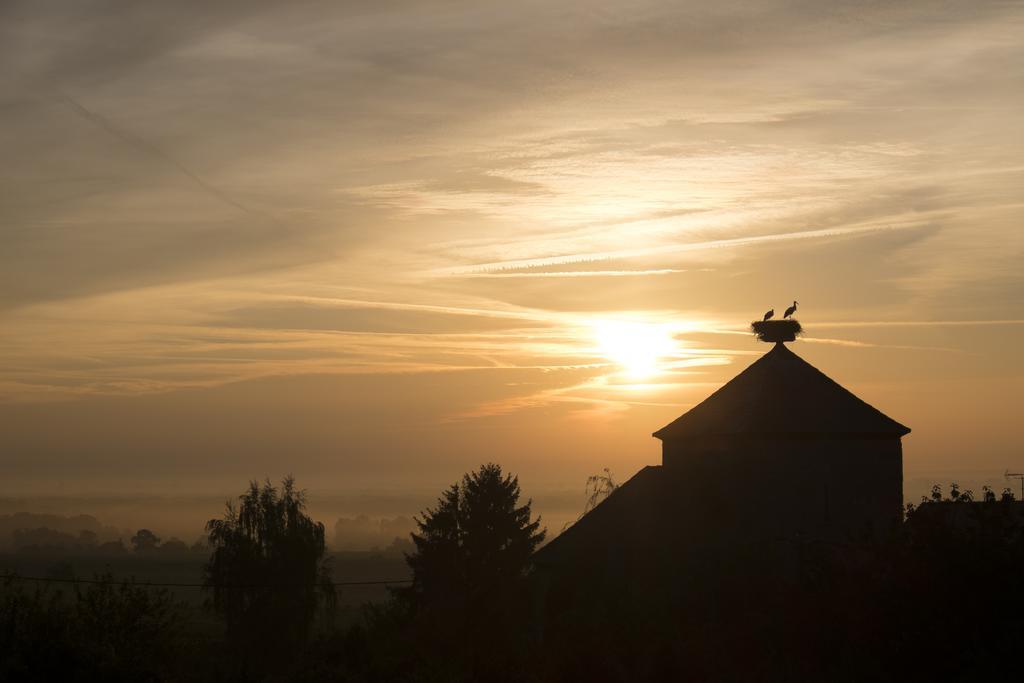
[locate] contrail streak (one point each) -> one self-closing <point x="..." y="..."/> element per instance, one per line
<point x="400" y="306"/>
<point x="155" y="152"/>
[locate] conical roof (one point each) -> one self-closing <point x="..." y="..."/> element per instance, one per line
<point x="781" y="394"/>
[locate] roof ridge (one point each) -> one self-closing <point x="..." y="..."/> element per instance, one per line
<point x="782" y="393"/>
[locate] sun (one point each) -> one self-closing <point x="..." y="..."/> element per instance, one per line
<point x="638" y="347"/>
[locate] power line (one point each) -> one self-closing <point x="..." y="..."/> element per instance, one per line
<point x="154" y="584"/>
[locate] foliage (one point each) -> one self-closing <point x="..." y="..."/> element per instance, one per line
<point x="473" y="549"/>
<point x="956" y="495"/>
<point x="597" y="489"/>
<point x="267" y="573"/>
<point x="477" y="540"/>
<point x="145" y="540"/>
<point x="105" y="631"/>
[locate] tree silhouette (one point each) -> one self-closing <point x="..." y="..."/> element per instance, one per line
<point x="145" y="540"/>
<point x="104" y="631"/>
<point x="267" y="571"/>
<point x="471" y="555"/>
<point x="598" y="487"/>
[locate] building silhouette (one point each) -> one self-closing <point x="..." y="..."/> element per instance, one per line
<point x="779" y="453"/>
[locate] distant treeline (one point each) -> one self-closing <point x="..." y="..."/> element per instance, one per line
<point x="366" y="533"/>
<point x="29" y="532"/>
<point x="16" y="530"/>
<point x="34" y="532"/>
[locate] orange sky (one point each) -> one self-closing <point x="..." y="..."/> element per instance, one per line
<point x="377" y="244"/>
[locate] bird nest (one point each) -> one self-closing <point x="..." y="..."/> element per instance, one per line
<point x="776" y="330"/>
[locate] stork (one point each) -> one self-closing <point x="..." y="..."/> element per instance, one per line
<point x="769" y="315"/>
<point x="791" y="310"/>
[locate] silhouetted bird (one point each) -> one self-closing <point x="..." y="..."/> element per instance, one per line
<point x="769" y="314"/>
<point x="791" y="310"/>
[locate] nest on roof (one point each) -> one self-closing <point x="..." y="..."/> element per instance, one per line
<point x="776" y="330"/>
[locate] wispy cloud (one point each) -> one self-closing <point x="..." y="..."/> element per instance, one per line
<point x="238" y="193"/>
<point x="574" y="273"/>
<point x="918" y="323"/>
<point x="849" y="343"/>
<point x="662" y="250"/>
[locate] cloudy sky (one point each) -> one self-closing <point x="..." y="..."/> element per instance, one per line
<point x="378" y="243"/>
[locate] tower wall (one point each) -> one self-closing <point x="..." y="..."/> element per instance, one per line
<point x="821" y="486"/>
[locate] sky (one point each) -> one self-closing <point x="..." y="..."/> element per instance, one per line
<point x="377" y="244"/>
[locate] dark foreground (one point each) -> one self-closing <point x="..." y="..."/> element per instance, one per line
<point x="939" y="598"/>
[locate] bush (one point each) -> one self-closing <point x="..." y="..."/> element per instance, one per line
<point x="105" y="631"/>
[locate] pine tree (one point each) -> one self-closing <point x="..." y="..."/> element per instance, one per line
<point x="469" y="569"/>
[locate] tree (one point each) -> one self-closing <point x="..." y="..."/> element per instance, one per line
<point x="101" y="631"/>
<point x="598" y="488"/>
<point x="267" y="571"/>
<point x="145" y="540"/>
<point x="471" y="555"/>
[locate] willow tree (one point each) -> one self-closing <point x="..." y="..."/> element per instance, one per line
<point x="267" y="571"/>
